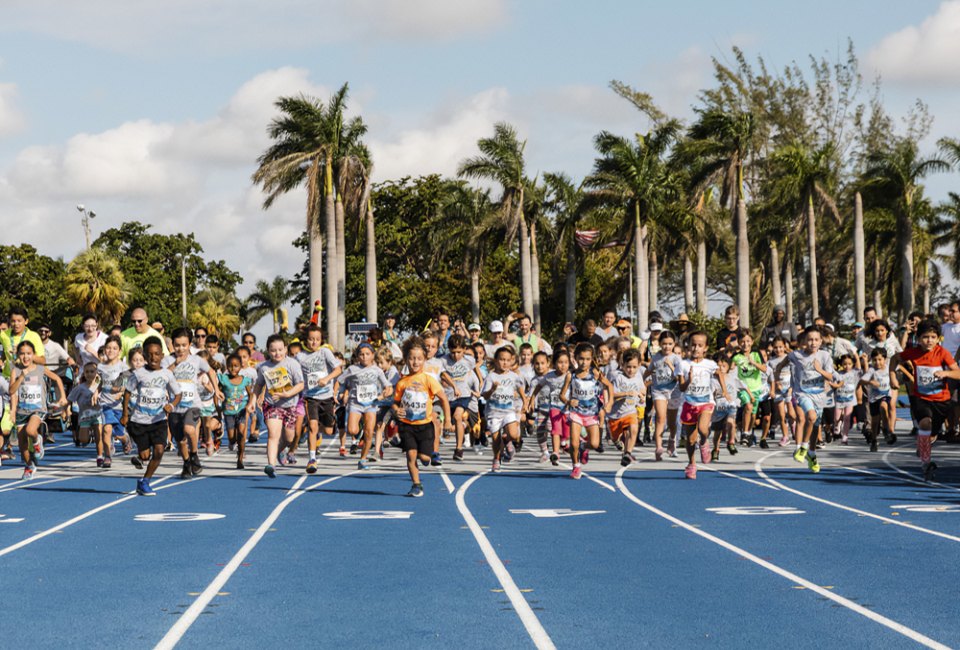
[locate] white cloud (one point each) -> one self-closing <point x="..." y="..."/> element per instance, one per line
<point x="240" y="25"/>
<point x="11" y="119"/>
<point x="922" y="54"/>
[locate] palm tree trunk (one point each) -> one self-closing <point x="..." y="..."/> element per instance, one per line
<point x="702" y="277"/>
<point x="571" y="289"/>
<point x="641" y="266"/>
<point x="654" y="280"/>
<point x="535" y="276"/>
<point x="475" y="295"/>
<point x="812" y="254"/>
<point x="526" y="293"/>
<point x="859" y="266"/>
<point x="877" y="289"/>
<point x="341" y="275"/>
<point x="314" y="234"/>
<point x="775" y="273"/>
<point x="788" y="287"/>
<point x="925" y="284"/>
<point x="743" y="265"/>
<point x="370" y="266"/>
<point x="330" y="222"/>
<point x="905" y="244"/>
<point x="687" y="283"/>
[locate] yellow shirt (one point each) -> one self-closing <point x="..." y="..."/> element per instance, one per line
<point x="10" y="342"/>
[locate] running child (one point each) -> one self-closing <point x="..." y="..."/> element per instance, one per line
<point x="501" y="389"/>
<point x="113" y="378"/>
<point x="879" y="381"/>
<point x="461" y="385"/>
<point x="696" y="383"/>
<point x="28" y="404"/>
<point x="629" y="393"/>
<point x="724" y="420"/>
<point x="366" y="385"/>
<point x="86" y="395"/>
<point x="752" y="371"/>
<point x="413" y="407"/>
<point x="662" y="371"/>
<point x="151" y="394"/>
<point x="320" y="368"/>
<point x="782" y="390"/>
<point x="238" y="405"/>
<point x="581" y="393"/>
<point x="538" y="403"/>
<point x="846" y="396"/>
<point x="384" y="356"/>
<point x="552" y="384"/>
<point x="279" y="382"/>
<point x="207" y="394"/>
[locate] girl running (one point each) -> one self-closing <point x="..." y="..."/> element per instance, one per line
<point x="500" y="389"/>
<point x="28" y="405"/>
<point x="880" y="381"/>
<point x="581" y="393"/>
<point x="86" y="395"/>
<point x="113" y="378"/>
<point x="662" y="371"/>
<point x="366" y="385"/>
<point x="724" y="420"/>
<point x="846" y="396"/>
<point x="279" y="382"/>
<point x="629" y="392"/>
<point x="237" y="406"/>
<point x="696" y="383"/>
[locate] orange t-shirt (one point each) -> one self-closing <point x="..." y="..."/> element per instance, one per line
<point x="415" y="395"/>
<point x="926" y="386"/>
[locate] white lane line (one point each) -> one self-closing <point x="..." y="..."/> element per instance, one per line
<point x="24" y="484"/>
<point x="85" y="515"/>
<point x="758" y="467"/>
<point x="520" y="605"/>
<point x="849" y="604"/>
<point x="446" y="481"/>
<point x="587" y="476"/>
<point x="902" y="479"/>
<point x="175" y="633"/>
<point x="742" y="478"/>
<point x="889" y="463"/>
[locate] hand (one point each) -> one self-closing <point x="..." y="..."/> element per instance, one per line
<point x="456" y="392"/>
<point x="251" y="408"/>
<point x="167" y="408"/>
<point x="448" y="426"/>
<point x="401" y="412"/>
<point x="323" y="382"/>
<point x="123" y="420"/>
<point x="62" y="402"/>
<point x="574" y="403"/>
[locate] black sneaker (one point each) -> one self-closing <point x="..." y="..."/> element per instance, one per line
<point x="353" y="449"/>
<point x="517" y="446"/>
<point x="890" y="438"/>
<point x="732" y="449"/>
<point x="763" y="444"/>
<point x="930" y="471"/>
<point x="136" y="462"/>
<point x="626" y="459"/>
<point x="873" y="444"/>
<point x="554" y="460"/>
<point x="195" y="466"/>
<point x="240" y="464"/>
<point x="458" y="454"/>
<point x="185" y="472"/>
<point x="599" y="448"/>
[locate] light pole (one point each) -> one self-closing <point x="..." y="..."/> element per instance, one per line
<point x="87" y="216"/>
<point x="183" y="287"/>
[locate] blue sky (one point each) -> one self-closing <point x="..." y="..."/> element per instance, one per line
<point x="157" y="111"/>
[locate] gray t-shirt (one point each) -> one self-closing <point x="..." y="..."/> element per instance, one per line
<point x="278" y="377"/>
<point x="805" y="380"/>
<point x="186" y="372"/>
<point x="314" y="366"/>
<point x="113" y="378"/>
<point x="365" y="384"/>
<point x="624" y="406"/>
<point x="151" y="390"/>
<point x="459" y="372"/>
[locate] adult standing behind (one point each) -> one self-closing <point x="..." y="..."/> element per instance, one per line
<point x="778" y="326"/>
<point x="57" y="359"/>
<point x="608" y="325"/>
<point x="17" y="333"/>
<point x="587" y="335"/>
<point x="525" y="334"/>
<point x="250" y="342"/>
<point x="950" y="330"/>
<point x="625" y="329"/>
<point x="88" y="342"/>
<point x="376" y="339"/>
<point x="728" y="337"/>
<point x="443" y="332"/>
<point x="497" y="340"/>
<point x="474" y="333"/>
<point x="389" y="331"/>
<point x="133" y="337"/>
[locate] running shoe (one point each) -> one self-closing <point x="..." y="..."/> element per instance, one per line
<point x="930" y="471"/>
<point x="873" y="445"/>
<point x="844" y="441"/>
<point x="239" y="464"/>
<point x="209" y="447"/>
<point x="672" y="448"/>
<point x="576" y="472"/>
<point x="270" y="471"/>
<point x="764" y="444"/>
<point x="691" y="471"/>
<point x="435" y="459"/>
<point x="38" y="450"/>
<point x="353" y="449"/>
<point x="282" y="458"/>
<point x="195" y="466"/>
<point x="136" y="462"/>
<point x="626" y="459"/>
<point x="185" y="472"/>
<point x="784" y="441"/>
<point x="554" y="460"/>
<point x="800" y="454"/>
<point x="715" y="454"/>
<point x="732" y="449"/>
<point x="496" y="465"/>
<point x="291" y="459"/>
<point x="813" y="464"/>
<point x="99" y="462"/>
<point x="705" y="451"/>
<point x="425" y="463"/>
<point x="544" y="456"/>
<point x="478" y="448"/>
<point x="415" y="491"/>
<point x="600" y="448"/>
<point x="518" y="446"/>
<point x="127" y="445"/>
<point x="890" y="438"/>
<point x="458" y="454"/>
<point x="144" y="489"/>
<point x="584" y="455"/>
<point x="505" y="455"/>
<point x="343" y="451"/>
<point x="312" y="466"/>
<point x="252" y="438"/>
<point x="216" y="445"/>
<point x="658" y="453"/>
<point x="362" y="464"/>
<point x="619" y="445"/>
<point x="107" y="463"/>
<point x="27" y="473"/>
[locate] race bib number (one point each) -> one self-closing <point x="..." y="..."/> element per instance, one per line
<point x="414" y="403"/>
<point x="89" y="414"/>
<point x="812" y="384"/>
<point x="31" y="396"/>
<point x="927" y="383"/>
<point x="277" y="380"/>
<point x="502" y="398"/>
<point x="313" y="382"/>
<point x="367" y="394"/>
<point x="188" y="392"/>
<point x="152" y="399"/>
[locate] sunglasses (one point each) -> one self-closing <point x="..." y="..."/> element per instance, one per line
<point x="621" y="328"/>
<point x="137" y="322"/>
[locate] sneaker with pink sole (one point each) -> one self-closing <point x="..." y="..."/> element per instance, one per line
<point x="705" y="452"/>
<point x="691" y="471"/>
<point x="576" y="472"/>
<point x="658" y="453"/>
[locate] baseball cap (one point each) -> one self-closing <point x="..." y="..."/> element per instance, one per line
<point x="858" y="324"/>
<point x="829" y="326"/>
<point x="656" y="327"/>
<point x="474" y="327"/>
<point x="623" y="322"/>
<point x="496" y="326"/>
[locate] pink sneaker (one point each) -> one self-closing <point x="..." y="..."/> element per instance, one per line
<point x="705" y="452"/>
<point x="658" y="454"/>
<point x="785" y="440"/>
<point x="672" y="449"/>
<point x="691" y="471"/>
<point x="576" y="472"/>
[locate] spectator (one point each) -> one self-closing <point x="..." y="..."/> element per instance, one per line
<point x="778" y="326"/>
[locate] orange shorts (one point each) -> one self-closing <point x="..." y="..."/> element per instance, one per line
<point x="621" y="426"/>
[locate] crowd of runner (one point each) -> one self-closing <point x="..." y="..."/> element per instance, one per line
<point x="142" y="392"/>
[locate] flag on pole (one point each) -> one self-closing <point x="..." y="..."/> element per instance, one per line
<point x="586" y="238"/>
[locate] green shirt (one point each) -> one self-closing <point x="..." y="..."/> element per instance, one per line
<point x="748" y="373"/>
<point x="132" y="339"/>
<point x="10" y="342"/>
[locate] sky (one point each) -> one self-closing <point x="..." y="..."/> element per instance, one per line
<point x="157" y="111"/>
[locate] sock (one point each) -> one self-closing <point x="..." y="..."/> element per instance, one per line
<point x="923" y="445"/>
<point x="313" y="454"/>
<point x="805" y="445"/>
<point x="576" y="464"/>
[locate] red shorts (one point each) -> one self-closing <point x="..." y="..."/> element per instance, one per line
<point x="585" y="420"/>
<point x="690" y="413"/>
<point x="288" y="416"/>
<point x="559" y="424"/>
<point x="621" y="426"/>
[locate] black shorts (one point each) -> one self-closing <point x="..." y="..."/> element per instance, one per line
<point x="417" y="437"/>
<point x="147" y="436"/>
<point x="828" y="414"/>
<point x="189" y="418"/>
<point x="322" y="411"/>
<point x="765" y="409"/>
<point x="938" y="412"/>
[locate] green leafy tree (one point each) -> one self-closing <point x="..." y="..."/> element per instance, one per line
<point x="94" y="283"/>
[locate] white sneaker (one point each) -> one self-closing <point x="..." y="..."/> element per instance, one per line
<point x="38" y="447"/>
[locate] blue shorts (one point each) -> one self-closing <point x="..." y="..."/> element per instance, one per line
<point x="460" y="402"/>
<point x="363" y="409"/>
<point x="807" y="404"/>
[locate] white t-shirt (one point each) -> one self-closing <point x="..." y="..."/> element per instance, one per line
<point x="88" y="349"/>
<point x="951" y="337"/>
<point x="700" y="374"/>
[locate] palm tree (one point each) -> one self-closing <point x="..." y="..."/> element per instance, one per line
<point x="218" y="311"/>
<point x="895" y="173"/>
<point x="633" y="176"/>
<point x="501" y="161"/>
<point x="717" y="148"/>
<point x="305" y="143"/>
<point x="268" y="298"/>
<point x="469" y="215"/>
<point x="564" y="201"/>
<point x="94" y="283"/>
<point x="946" y="230"/>
<point x="801" y="180"/>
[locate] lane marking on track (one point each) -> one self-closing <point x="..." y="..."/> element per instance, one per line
<point x="447" y="482"/>
<point x="902" y="479"/>
<point x="589" y="477"/>
<point x="89" y="513"/>
<point x="25" y="484"/>
<point x="178" y="516"/>
<point x="758" y="467"/>
<point x="826" y="593"/>
<point x="176" y="632"/>
<point x="530" y="621"/>
<point x="549" y="513"/>
<point x="889" y="463"/>
<point x="344" y="515"/>
<point x="741" y="478"/>
<point x="756" y="510"/>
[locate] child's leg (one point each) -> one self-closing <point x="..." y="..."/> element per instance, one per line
<point x="632" y="436"/>
<point x="692" y="437"/>
<point x="240" y="436"/>
<point x="660" y="410"/>
<point x="412" y="466"/>
<point x="672" y="423"/>
<point x="106" y="437"/>
<point x="23" y="443"/>
<point x="459" y="422"/>
<point x="437" y="432"/>
<point x="274" y="433"/>
<point x="846" y="414"/>
<point x="154" y="459"/>
<point x="369" y="424"/>
<point x="575" y="442"/>
<point x="83" y="435"/>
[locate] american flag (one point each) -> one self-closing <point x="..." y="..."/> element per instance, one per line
<point x="587" y="238"/>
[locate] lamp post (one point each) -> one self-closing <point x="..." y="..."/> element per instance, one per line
<point x="87" y="216"/>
